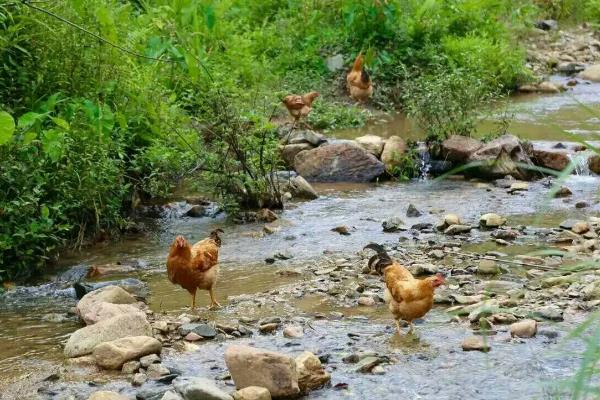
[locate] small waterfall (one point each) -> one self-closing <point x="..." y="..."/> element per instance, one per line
<point x="424" y="161"/>
<point x="580" y="159"/>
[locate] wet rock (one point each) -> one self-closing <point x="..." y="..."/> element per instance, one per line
<point x="293" y="332"/>
<point x="452" y="219"/>
<point x="139" y="379"/>
<point x="462" y="299"/>
<point x="156" y="371"/>
<point x="266" y="215"/>
<point x="373" y="144"/>
<point x="192" y="388"/>
<point x="501" y="157"/>
<point x="257" y="367"/>
<point x="568" y="224"/>
<point x="366" y="364"/>
<point x="131" y="367"/>
<point x="151" y="392"/>
<point x="393" y="224"/>
<point x="311" y="374"/>
<point x="437" y="254"/>
<point x="132" y="286"/>
<point x="476" y="343"/>
<point x="339" y="162"/>
<point x="498" y="286"/>
<point x="580" y="227"/>
<point x="413" y="212"/>
<point x="551" y="158"/>
<point x="288" y="152"/>
<point x="394" y="149"/>
<point x="505" y="234"/>
<point x="582" y="204"/>
<point x="591" y="73"/>
<point x="594" y="163"/>
<point x="150" y="359"/>
<point x="113" y="354"/>
<point x="204" y="330"/>
<point x="524" y="329"/>
<point x="252" y="393"/>
<point x="342" y="230"/>
<point x="268" y="328"/>
<point x="106" y="395"/>
<point x="91" y="311"/>
<point x="84" y="340"/>
<point x="366" y="301"/>
<point x="298" y="136"/>
<point x="378" y="370"/>
<point x="570" y="68"/>
<point x="563" y="191"/>
<point x="197" y="211"/>
<point x="192" y="337"/>
<point x="171" y="395"/>
<point x="301" y="189"/>
<point x="488" y="267"/>
<point x="552" y="313"/>
<point x="457" y="229"/>
<point x="491" y="220"/>
<point x="518" y="187"/>
<point x="459" y="148"/>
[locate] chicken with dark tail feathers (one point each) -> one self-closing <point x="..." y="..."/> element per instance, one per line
<point x="195" y="267"/>
<point x="408" y="298"/>
<point x="358" y="80"/>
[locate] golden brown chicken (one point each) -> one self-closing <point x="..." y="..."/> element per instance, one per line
<point x="358" y="81"/>
<point x="300" y="105"/>
<point x="195" y="267"/>
<point x="408" y="298"/>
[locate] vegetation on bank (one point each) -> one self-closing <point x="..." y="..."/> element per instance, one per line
<point x="108" y="101"/>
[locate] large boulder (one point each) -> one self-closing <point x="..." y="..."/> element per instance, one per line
<point x="84" y="340"/>
<point x="297" y="136"/>
<point x="591" y="73"/>
<point x="113" y="354"/>
<point x="394" y="149"/>
<point x="199" y="389"/>
<point x="338" y="162"/>
<point x="250" y="366"/>
<point x="500" y="157"/>
<point x="550" y="158"/>
<point x="459" y="148"/>
<point x="371" y="143"/>
<point x="90" y="310"/>
<point x="298" y="187"/>
<point x="311" y="374"/>
<point x="288" y="152"/>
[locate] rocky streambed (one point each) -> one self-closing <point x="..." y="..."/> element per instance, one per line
<point x="305" y="288"/>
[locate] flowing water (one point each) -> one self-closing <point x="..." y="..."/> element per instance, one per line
<point x="429" y="364"/>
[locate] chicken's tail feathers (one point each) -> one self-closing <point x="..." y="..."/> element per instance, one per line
<point x="364" y="76"/>
<point x="214" y="235"/>
<point x="358" y="62"/>
<point x="380" y="260"/>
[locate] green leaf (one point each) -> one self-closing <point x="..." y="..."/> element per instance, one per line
<point x="61" y="122"/>
<point x="52" y="144"/>
<point x="29" y="137"/>
<point x="28" y="119"/>
<point x="45" y="212"/>
<point x="209" y="14"/>
<point x="7" y="127"/>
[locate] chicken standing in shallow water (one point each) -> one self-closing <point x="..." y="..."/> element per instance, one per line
<point x="195" y="267"/>
<point x="299" y="106"/>
<point x="408" y="298"/>
<point x="358" y="81"/>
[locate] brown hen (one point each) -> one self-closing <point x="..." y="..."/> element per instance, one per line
<point x="195" y="267"/>
<point x="408" y="298"/>
<point x="300" y="105"/>
<point x="358" y="81"/>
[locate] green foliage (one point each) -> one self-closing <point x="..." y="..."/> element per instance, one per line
<point x="446" y="104"/>
<point x="405" y="166"/>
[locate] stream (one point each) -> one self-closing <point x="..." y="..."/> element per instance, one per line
<point x="430" y="364"/>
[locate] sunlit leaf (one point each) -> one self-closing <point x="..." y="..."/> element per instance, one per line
<point x="7" y="127"/>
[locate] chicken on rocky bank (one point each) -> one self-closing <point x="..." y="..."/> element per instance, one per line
<point x="195" y="267"/>
<point x="408" y="298"/>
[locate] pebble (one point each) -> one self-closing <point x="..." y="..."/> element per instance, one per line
<point x="193" y="337"/>
<point x="476" y="343"/>
<point x="293" y="332"/>
<point x="366" y="301"/>
<point x="488" y="267"/>
<point x="268" y="328"/>
<point x="139" y="379"/>
<point x="155" y="371"/>
<point x="148" y="360"/>
<point x="131" y="367"/>
<point x="524" y="329"/>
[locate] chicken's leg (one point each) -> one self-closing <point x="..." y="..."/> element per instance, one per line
<point x="213" y="300"/>
<point x="398" y="327"/>
<point x="193" y="300"/>
<point x="410" y="327"/>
